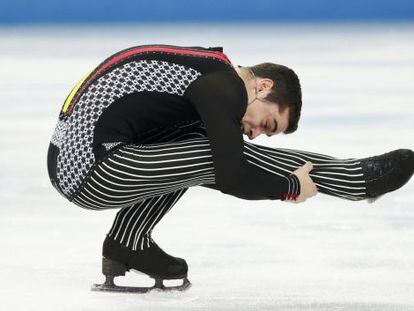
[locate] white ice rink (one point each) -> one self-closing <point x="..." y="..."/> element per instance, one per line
<point x="326" y="254"/>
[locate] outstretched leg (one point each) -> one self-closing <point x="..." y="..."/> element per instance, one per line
<point x="136" y="172"/>
<point x="342" y="178"/>
<point x="352" y="179"/>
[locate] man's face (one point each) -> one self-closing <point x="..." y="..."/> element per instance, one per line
<point x="264" y="117"/>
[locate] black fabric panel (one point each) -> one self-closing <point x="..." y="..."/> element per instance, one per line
<point x="129" y="118"/>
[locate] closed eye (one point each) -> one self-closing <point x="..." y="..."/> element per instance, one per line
<point x="273" y="130"/>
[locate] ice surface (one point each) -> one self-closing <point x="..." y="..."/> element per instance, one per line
<point x="327" y="254"/>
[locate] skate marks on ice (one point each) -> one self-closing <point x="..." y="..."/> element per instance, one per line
<point x="155" y="301"/>
<point x="214" y="293"/>
<point x="219" y="296"/>
<point x="297" y="305"/>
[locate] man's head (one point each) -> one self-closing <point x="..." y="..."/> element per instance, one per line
<point x="274" y="100"/>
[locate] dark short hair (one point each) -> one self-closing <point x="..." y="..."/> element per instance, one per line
<point x="286" y="90"/>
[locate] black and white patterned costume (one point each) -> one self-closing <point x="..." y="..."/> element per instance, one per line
<point x="152" y="121"/>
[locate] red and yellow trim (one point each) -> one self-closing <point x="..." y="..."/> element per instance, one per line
<point x="71" y="100"/>
<point x="73" y="92"/>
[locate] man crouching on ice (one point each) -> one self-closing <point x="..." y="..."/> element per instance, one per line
<point x="151" y="121"/>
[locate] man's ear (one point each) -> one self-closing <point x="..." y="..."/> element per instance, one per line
<point x="264" y="84"/>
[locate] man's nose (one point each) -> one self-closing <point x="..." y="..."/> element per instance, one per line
<point x="254" y="133"/>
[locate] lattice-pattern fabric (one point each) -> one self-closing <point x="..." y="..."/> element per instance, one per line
<point x="109" y="146"/>
<point x="74" y="135"/>
<point x="59" y="133"/>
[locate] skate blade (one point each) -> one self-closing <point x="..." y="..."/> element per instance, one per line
<point x="111" y="287"/>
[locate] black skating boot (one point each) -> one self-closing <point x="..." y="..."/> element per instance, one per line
<point x="387" y="172"/>
<point x="153" y="261"/>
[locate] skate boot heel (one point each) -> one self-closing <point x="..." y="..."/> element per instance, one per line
<point x="112" y="268"/>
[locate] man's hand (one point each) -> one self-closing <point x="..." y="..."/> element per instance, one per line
<point x="307" y="186"/>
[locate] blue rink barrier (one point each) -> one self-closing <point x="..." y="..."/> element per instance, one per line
<point x="55" y="11"/>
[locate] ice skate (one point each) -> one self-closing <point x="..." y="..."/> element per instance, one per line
<point x="152" y="261"/>
<point x="387" y="172"/>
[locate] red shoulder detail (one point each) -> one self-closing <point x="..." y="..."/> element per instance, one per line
<point x="214" y="53"/>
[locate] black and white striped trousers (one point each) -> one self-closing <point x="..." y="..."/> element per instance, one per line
<point x="145" y="181"/>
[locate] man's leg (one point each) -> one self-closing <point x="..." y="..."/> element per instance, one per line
<point x="137" y="172"/>
<point x="149" y="198"/>
<point x="146" y="180"/>
<point x="134" y="173"/>
<point x="165" y="162"/>
<point x="129" y="244"/>
<point x="133" y="225"/>
<point x="342" y="178"/>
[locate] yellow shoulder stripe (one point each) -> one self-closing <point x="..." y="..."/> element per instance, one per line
<point x="73" y="92"/>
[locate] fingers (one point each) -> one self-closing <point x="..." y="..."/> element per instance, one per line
<point x="308" y="167"/>
<point x="308" y="187"/>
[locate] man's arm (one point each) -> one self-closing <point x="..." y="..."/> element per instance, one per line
<point x="220" y="98"/>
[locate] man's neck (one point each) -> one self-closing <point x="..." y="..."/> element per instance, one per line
<point x="248" y="80"/>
